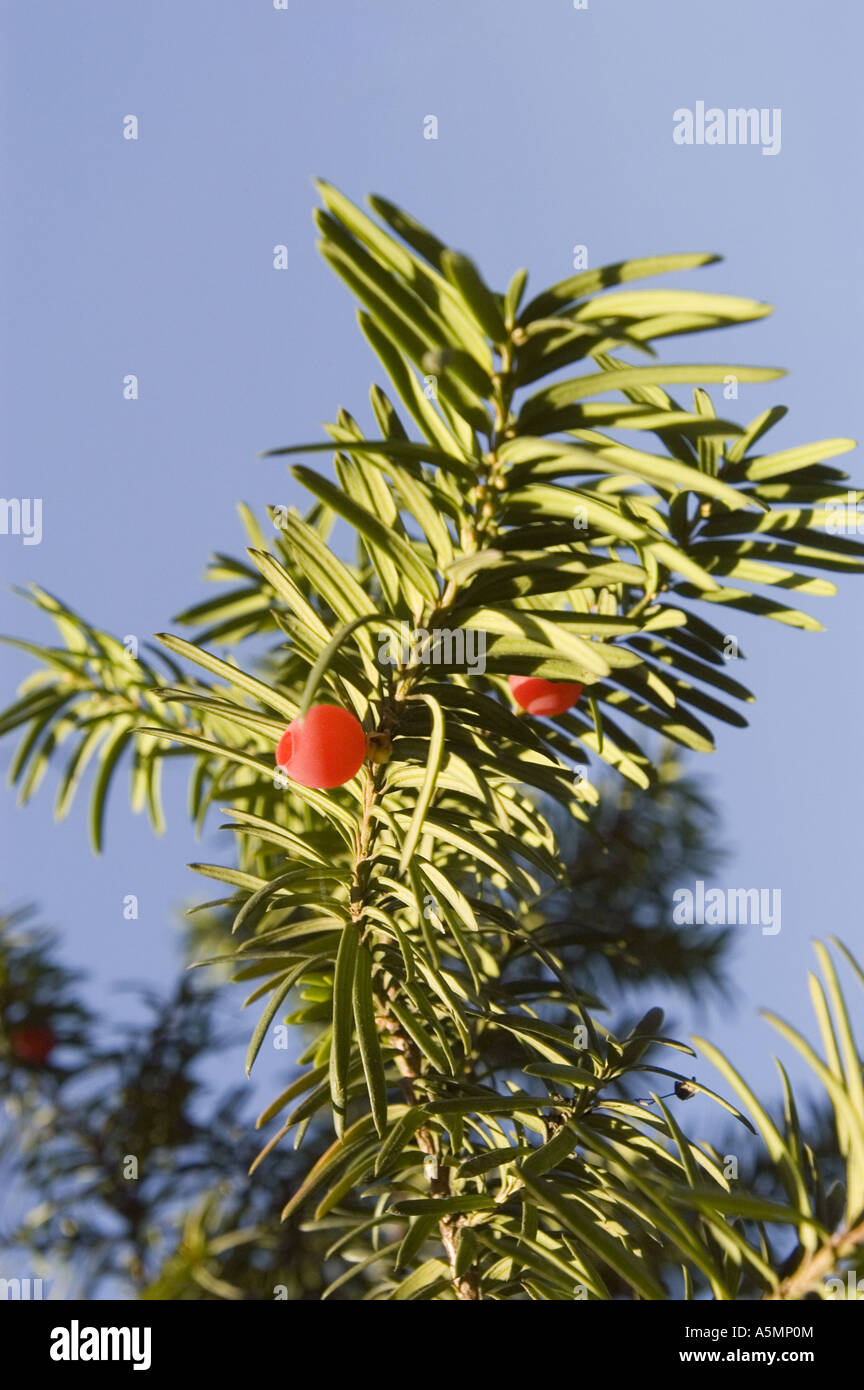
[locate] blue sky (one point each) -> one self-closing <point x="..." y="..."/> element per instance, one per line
<point x="155" y="257"/>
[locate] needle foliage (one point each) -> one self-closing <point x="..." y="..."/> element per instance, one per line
<point x="533" y="475"/>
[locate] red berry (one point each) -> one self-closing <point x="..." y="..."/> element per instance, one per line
<point x="325" y="749"/>
<point x="32" y="1044"/>
<point x="543" y="697"/>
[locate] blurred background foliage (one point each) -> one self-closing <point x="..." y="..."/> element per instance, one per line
<point x="193" y="1224"/>
<point x="125" y="1168"/>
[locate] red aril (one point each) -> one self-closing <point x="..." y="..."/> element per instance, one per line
<point x="31" y="1044"/>
<point x="324" y="749"/>
<point x="541" y="697"/>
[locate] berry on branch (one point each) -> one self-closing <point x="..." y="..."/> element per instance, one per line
<point x="32" y="1044"/>
<point x="541" y="697"/>
<point x="324" y="749"/>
